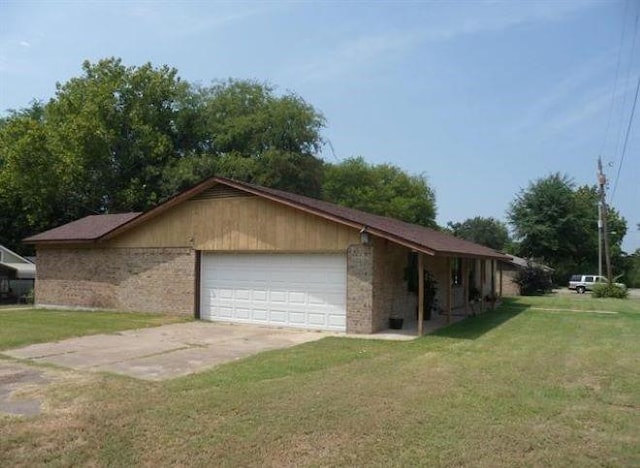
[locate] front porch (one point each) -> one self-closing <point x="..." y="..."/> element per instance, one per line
<point x="431" y="291"/>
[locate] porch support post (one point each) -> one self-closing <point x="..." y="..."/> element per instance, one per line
<point x="420" y="294"/>
<point x="465" y="284"/>
<point x="493" y="283"/>
<point x="449" y="290"/>
<point x="483" y="278"/>
<point x="500" y="274"/>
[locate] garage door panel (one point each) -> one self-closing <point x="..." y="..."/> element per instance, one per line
<point x="306" y="291"/>
<point x="278" y="316"/>
<point x="317" y="319"/>
<point x="259" y="295"/>
<point x="297" y="297"/>
<point x="243" y="313"/>
<point x="259" y="315"/>
<point x="278" y="296"/>
<point x="337" y="321"/>
<point x="226" y="311"/>
<point x="297" y="318"/>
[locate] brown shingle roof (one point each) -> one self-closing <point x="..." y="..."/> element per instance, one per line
<point x="427" y="240"/>
<point x="88" y="228"/>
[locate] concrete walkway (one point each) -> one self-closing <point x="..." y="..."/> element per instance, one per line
<point x="164" y="352"/>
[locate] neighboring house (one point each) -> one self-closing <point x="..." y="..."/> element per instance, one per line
<point x="508" y="273"/>
<point x="237" y="252"/>
<point x="17" y="275"/>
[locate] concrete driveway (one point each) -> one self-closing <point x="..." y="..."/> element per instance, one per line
<point x="164" y="352"/>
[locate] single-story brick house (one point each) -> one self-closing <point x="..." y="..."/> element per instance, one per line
<point x="232" y="251"/>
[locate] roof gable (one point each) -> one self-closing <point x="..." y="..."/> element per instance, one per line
<point x="419" y="238"/>
<point x="9" y="256"/>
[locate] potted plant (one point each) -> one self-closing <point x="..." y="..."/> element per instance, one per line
<point x="474" y="299"/>
<point x="395" y="322"/>
<point x="491" y="299"/>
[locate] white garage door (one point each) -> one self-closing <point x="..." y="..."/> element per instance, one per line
<point x="293" y="290"/>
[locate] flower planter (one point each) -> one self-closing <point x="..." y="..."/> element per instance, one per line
<point x="395" y="323"/>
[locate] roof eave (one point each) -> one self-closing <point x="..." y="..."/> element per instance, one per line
<point x="58" y="241"/>
<point x="451" y="253"/>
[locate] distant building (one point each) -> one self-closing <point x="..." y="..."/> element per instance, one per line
<point x="510" y="269"/>
<point x="17" y="275"/>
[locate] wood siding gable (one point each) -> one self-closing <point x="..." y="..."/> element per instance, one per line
<point x="225" y="219"/>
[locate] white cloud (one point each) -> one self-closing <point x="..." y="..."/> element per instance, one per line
<point x="355" y="53"/>
<point x="440" y="25"/>
<point x="579" y="96"/>
<point x="180" y="21"/>
<point x="24" y="44"/>
<point x="497" y="16"/>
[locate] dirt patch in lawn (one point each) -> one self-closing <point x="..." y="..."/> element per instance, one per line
<point x="23" y="387"/>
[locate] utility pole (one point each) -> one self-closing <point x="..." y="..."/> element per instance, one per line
<point x="602" y="180"/>
<point x="599" y="238"/>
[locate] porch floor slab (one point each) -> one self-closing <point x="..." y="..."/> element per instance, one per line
<point x="409" y="330"/>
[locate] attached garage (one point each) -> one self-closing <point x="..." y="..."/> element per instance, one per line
<point x="292" y="290"/>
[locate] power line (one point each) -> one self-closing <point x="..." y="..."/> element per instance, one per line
<point x="626" y="140"/>
<point x="615" y="81"/>
<point x="629" y="68"/>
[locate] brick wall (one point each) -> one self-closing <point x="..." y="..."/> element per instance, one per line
<point x="359" y="288"/>
<point x="145" y="280"/>
<point x="509" y="286"/>
<point x="390" y="295"/>
<point x="439" y="268"/>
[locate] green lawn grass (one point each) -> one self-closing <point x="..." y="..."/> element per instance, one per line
<point x="518" y="386"/>
<point x="22" y="326"/>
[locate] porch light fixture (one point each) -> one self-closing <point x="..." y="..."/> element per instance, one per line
<point x="364" y="236"/>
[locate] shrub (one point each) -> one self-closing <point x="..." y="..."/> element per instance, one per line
<point x="533" y="280"/>
<point x="610" y="290"/>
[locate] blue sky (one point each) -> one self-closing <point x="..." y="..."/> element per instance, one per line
<point x="481" y="97"/>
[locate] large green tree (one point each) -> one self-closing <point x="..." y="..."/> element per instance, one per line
<point x="486" y="231"/>
<point x="382" y="189"/>
<point x="249" y="133"/>
<point x="121" y="138"/>
<point x="556" y="223"/>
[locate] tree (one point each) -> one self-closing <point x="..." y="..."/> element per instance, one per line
<point x="122" y="138"/>
<point x="631" y="276"/>
<point x="486" y="231"/>
<point x="382" y="189"/>
<point x="557" y="224"/>
<point x="120" y="127"/>
<point x="34" y="182"/>
<point x="250" y="134"/>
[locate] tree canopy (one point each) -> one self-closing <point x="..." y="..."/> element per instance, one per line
<point x="486" y="231"/>
<point x="556" y="223"/>
<point x="122" y="138"/>
<point x="382" y="189"/>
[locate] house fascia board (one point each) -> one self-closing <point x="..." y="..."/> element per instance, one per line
<point x="497" y="255"/>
